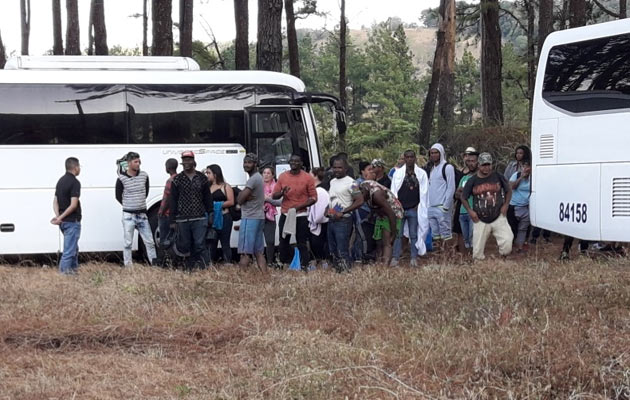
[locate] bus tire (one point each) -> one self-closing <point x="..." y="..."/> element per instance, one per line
<point x="153" y="222"/>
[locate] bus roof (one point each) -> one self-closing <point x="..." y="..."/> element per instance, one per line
<point x="153" y="76"/>
<point x="586" y="33"/>
<point x="102" y="63"/>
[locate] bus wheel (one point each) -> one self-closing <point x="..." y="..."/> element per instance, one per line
<point x="153" y="222"/>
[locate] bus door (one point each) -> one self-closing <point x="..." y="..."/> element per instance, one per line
<point x="274" y="133"/>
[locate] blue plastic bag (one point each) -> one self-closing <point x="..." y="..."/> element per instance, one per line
<point x="295" y="263"/>
<point x="429" y="241"/>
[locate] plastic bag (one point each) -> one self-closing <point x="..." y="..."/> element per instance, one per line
<point x="295" y="263"/>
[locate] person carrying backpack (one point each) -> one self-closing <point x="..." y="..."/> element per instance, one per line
<point x="442" y="183"/>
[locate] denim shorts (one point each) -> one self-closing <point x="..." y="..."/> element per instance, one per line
<point x="251" y="239"/>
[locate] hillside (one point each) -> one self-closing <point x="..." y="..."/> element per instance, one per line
<point x="421" y="41"/>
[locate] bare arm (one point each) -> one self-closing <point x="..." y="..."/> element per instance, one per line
<point x="56" y="206"/>
<point x="229" y="193"/>
<point x="74" y="203"/>
<point x="243" y="196"/>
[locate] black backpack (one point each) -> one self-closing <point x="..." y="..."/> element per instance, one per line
<point x="458" y="173"/>
<point x="235" y="210"/>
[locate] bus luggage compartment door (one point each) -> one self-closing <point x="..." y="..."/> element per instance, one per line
<point x="567" y="200"/>
<point x="615" y="198"/>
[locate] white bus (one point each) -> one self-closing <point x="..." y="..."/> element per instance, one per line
<point x="99" y="108"/>
<point x="581" y="133"/>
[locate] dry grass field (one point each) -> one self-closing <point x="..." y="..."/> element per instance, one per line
<point x="516" y="328"/>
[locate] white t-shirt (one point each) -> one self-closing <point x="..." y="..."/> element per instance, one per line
<point x="340" y="192"/>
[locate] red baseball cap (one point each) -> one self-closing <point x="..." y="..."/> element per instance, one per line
<point x="188" y="153"/>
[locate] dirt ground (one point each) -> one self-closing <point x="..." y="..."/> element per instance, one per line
<point x="525" y="326"/>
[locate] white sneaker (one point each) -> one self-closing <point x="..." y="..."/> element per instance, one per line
<point x="413" y="263"/>
<point x="393" y="263"/>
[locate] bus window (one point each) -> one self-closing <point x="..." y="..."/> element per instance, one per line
<point x="590" y="75"/>
<point x="62" y="114"/>
<point x="187" y="113"/>
<point x="278" y="134"/>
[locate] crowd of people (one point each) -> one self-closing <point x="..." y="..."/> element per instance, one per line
<point x="334" y="218"/>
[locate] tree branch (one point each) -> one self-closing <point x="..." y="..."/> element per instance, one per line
<point x="518" y="21"/>
<point x="607" y="11"/>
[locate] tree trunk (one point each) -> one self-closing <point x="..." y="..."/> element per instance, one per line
<point x="565" y="15"/>
<point x="577" y="13"/>
<point x="3" y="56"/>
<point x="90" y="49"/>
<point x="343" y="80"/>
<point x="491" y="63"/>
<point x="57" y="38"/>
<point x="428" y="109"/>
<point x="100" y="30"/>
<point x="446" y="91"/>
<point x="73" y="47"/>
<point x="623" y="9"/>
<point x="25" y="19"/>
<point x="145" y="28"/>
<point x="545" y="22"/>
<point x="531" y="53"/>
<point x="185" y="27"/>
<point x="241" y="44"/>
<point x="162" y="28"/>
<point x="294" y="55"/>
<point x="269" y="46"/>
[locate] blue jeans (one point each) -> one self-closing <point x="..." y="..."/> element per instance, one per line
<point x="411" y="217"/>
<point x="339" y="232"/>
<point x="165" y="228"/>
<point x="69" y="262"/>
<point x="192" y="239"/>
<point x="467" y="229"/>
<point x="130" y="222"/>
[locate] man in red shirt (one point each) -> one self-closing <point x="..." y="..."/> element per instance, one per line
<point x="297" y="190"/>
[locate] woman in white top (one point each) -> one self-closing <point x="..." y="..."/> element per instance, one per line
<point x="317" y="220"/>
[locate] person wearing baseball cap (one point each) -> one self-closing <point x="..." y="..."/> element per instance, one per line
<point x="191" y="202"/>
<point x="491" y="195"/>
<point x="378" y="166"/>
<point x="251" y="237"/>
<point x="471" y="151"/>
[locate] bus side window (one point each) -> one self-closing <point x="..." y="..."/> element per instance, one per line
<point x="62" y="114"/>
<point x="188" y="113"/>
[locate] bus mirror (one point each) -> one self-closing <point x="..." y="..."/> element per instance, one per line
<point x="315" y="98"/>
<point x="340" y="117"/>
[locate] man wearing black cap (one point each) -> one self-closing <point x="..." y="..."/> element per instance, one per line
<point x="190" y="201"/>
<point x="251" y="240"/>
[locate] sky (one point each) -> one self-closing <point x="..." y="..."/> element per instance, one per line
<point x="218" y="15"/>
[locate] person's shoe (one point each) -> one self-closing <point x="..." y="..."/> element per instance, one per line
<point x="324" y="265"/>
<point x="413" y="263"/>
<point x="564" y="256"/>
<point x="393" y="262"/>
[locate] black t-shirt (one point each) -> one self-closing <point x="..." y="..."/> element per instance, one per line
<point x="488" y="195"/>
<point x="385" y="181"/>
<point x="67" y="187"/>
<point x="408" y="194"/>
